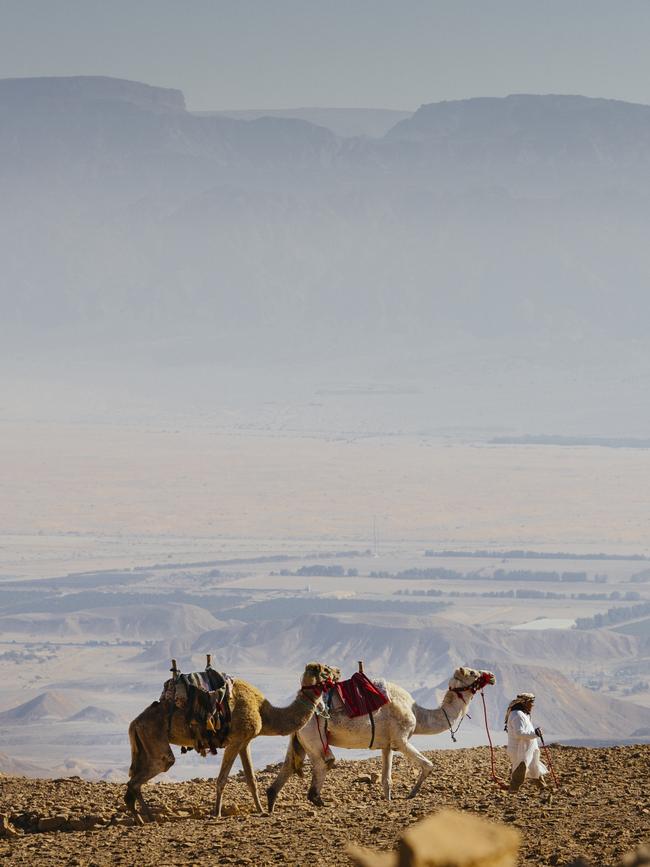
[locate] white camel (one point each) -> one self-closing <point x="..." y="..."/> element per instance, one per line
<point x="394" y="724"/>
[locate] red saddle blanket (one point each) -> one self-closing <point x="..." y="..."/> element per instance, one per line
<point x="359" y="695"/>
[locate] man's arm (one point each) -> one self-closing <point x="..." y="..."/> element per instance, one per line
<point x="522" y="727"/>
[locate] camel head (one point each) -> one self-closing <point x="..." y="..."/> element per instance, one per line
<point x="471" y="679"/>
<point x="317" y="673"/>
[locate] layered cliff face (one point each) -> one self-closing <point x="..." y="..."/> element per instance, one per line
<point x="122" y="211"/>
<point x="507" y="235"/>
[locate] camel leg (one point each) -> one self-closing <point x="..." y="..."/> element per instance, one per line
<point x="148" y="759"/>
<point x="249" y="774"/>
<point x="416" y="758"/>
<point x="229" y="755"/>
<point x="318" y="773"/>
<point x="289" y="767"/>
<point x="155" y="765"/>
<point x="309" y="741"/>
<point x="387" y="772"/>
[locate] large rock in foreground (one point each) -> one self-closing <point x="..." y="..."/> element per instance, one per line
<point x="448" y="839"/>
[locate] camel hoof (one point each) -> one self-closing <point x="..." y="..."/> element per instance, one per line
<point x="271" y="798"/>
<point x="316" y="800"/>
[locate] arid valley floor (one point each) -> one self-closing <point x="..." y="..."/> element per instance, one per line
<point x="414" y="555"/>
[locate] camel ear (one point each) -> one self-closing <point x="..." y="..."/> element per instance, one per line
<point x="462" y="671"/>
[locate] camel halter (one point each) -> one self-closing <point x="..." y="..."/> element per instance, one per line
<point x="475" y="686"/>
<point x="317" y="689"/>
<point x="452" y="730"/>
<point x="459" y="693"/>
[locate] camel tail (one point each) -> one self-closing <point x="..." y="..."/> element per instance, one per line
<point x="297" y="753"/>
<point x="136" y="748"/>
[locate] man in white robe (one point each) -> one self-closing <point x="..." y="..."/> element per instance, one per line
<point x="523" y="747"/>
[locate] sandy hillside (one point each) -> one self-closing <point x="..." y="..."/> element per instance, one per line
<point x="600" y="812"/>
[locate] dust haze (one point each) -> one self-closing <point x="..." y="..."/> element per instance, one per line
<point x="319" y="384"/>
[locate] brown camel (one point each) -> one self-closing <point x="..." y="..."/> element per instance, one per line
<point x="162" y="724"/>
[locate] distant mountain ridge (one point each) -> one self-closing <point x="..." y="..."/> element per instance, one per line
<point x="611" y="133"/>
<point x="396" y="645"/>
<point x="344" y="122"/>
<point x="47" y="705"/>
<point x="56" y="91"/>
<point x="543" y="115"/>
<point x="530" y="145"/>
<point x="126" y="621"/>
<point x="94" y="714"/>
<point x="563" y="708"/>
<point x="127" y="220"/>
<point x="56" y="706"/>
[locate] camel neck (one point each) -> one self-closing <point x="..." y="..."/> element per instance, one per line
<point x="432" y="721"/>
<point x="286" y="720"/>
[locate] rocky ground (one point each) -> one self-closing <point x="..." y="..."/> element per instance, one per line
<point x="600" y="811"/>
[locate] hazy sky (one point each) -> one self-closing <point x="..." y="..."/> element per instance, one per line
<point x="381" y="53"/>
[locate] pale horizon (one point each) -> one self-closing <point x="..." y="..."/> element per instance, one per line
<point x="255" y="56"/>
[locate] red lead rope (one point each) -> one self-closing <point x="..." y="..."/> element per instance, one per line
<point x="500" y="783"/>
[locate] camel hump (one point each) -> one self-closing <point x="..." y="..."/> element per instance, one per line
<point x="245" y="690"/>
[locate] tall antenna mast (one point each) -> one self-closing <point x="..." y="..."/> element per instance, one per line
<point x="375" y="552"/>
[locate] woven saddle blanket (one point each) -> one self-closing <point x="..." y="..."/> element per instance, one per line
<point x="359" y="695"/>
<point x="205" y="698"/>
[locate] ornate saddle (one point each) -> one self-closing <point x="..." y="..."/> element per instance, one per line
<point x="359" y="695"/>
<point x="204" y="696"/>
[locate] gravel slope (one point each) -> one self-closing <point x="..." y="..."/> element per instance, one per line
<point x="600" y="812"/>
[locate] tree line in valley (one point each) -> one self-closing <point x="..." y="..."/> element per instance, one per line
<point x="613" y="616"/>
<point x="497" y="575"/>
